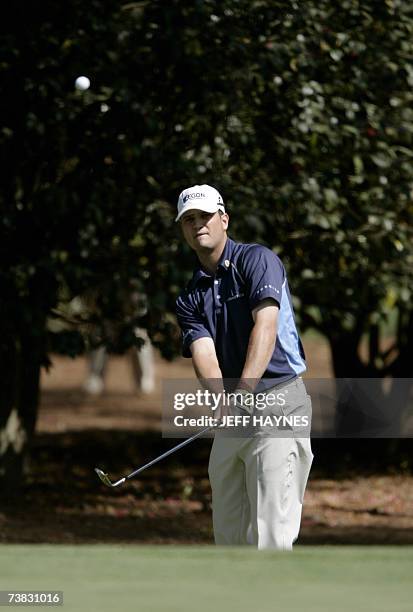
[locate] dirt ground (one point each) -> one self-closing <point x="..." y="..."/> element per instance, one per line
<point x="63" y="500"/>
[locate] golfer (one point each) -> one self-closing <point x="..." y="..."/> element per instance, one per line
<point x="237" y="323"/>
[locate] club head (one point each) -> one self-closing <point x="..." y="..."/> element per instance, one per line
<point x="103" y="477"/>
<point x="106" y="480"/>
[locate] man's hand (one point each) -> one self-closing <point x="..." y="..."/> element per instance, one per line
<point x="238" y="403"/>
<point x="223" y="410"/>
<point x="242" y="402"/>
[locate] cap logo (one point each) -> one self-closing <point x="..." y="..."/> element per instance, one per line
<point x="189" y="196"/>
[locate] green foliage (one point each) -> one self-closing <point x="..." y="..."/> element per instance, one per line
<point x="300" y="112"/>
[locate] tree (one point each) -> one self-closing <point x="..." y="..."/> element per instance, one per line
<point x="342" y="126"/>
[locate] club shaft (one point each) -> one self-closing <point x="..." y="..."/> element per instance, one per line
<point x="170" y="451"/>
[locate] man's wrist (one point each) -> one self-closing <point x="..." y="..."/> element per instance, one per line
<point x="244" y="399"/>
<point x="246" y="384"/>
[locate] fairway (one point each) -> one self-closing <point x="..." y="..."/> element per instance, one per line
<point x="208" y="578"/>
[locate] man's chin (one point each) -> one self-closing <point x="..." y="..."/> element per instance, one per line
<point x="203" y="242"/>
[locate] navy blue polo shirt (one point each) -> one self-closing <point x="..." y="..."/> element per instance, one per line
<point x="219" y="307"/>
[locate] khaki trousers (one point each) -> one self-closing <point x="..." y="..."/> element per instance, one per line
<point x="258" y="483"/>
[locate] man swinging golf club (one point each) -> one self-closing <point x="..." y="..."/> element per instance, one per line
<point x="237" y="322"/>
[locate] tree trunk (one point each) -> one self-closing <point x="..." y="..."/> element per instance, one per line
<point x="363" y="407"/>
<point x="20" y="362"/>
<point x="345" y="357"/>
<point x="354" y="414"/>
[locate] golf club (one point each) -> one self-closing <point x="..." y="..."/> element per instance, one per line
<point x="106" y="480"/>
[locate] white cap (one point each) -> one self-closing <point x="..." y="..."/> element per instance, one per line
<point x="200" y="197"/>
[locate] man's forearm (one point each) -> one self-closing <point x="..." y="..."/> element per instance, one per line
<point x="260" y="349"/>
<point x="206" y="366"/>
<point x="209" y="376"/>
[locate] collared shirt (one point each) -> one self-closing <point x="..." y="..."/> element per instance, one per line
<point x="220" y="307"/>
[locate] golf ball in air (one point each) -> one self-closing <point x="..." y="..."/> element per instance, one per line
<point x="82" y="83"/>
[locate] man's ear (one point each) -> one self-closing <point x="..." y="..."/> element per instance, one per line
<point x="225" y="220"/>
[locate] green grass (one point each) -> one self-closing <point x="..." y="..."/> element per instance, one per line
<point x="150" y="578"/>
